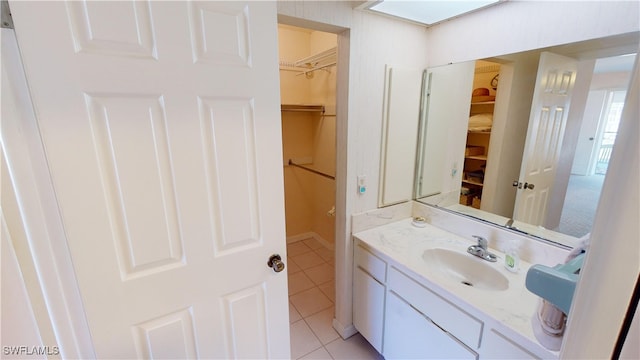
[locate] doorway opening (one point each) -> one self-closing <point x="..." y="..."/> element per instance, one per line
<point x="308" y="80"/>
<point x="596" y="139"/>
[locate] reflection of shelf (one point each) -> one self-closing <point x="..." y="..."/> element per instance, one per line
<point x="471" y="183"/>
<point x="476" y="157"/>
<point x="302" y="107"/>
<point x="483" y="103"/>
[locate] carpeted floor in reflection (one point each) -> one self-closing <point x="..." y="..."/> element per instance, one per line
<point x="580" y="204"/>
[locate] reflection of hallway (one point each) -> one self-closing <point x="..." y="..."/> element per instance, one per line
<point x="580" y="204"/>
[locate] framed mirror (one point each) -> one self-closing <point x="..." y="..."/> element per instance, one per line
<point x="498" y="140"/>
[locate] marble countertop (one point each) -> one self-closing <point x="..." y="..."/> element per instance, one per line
<point x="509" y="311"/>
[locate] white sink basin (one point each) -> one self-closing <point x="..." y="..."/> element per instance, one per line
<point x="465" y="269"/>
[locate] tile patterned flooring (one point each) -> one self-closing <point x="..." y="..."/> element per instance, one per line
<point x="311" y="307"/>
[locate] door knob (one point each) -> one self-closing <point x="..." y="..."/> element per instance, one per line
<point x="517" y="184"/>
<point x="275" y="262"/>
<point x="528" y="186"/>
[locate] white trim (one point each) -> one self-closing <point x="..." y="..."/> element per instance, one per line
<point x="310" y="235"/>
<point x="344" y="331"/>
<point x="29" y="173"/>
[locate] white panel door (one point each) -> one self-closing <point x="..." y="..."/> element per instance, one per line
<point x="161" y="126"/>
<point x="548" y="119"/>
<point x="444" y="128"/>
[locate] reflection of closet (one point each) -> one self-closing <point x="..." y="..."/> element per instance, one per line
<point x="479" y="132"/>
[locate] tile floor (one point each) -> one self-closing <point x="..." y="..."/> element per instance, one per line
<point x="311" y="307"/>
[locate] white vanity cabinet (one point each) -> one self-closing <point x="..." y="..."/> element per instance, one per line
<point x="405" y="316"/>
<point x="386" y="301"/>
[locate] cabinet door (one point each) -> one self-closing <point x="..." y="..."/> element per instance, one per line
<point x="498" y="346"/>
<point x="368" y="307"/>
<point x="410" y="335"/>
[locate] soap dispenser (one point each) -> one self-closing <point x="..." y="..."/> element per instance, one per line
<point x="511" y="258"/>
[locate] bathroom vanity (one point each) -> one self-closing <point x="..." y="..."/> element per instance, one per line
<point x="418" y="294"/>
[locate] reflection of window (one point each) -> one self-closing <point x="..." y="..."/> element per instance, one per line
<point x="613" y="117"/>
<point x="612" y="114"/>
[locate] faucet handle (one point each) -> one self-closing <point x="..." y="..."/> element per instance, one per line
<point x="482" y="242"/>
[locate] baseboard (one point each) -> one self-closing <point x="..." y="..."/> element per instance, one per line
<point x="300" y="237"/>
<point x="344" y="331"/>
<point x="310" y="234"/>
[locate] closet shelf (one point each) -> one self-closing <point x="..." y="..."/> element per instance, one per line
<point x="471" y="183"/>
<point x="302" y="107"/>
<point x="312" y="63"/>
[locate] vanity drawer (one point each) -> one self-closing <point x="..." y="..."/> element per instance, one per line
<point x="449" y="317"/>
<point x="370" y="263"/>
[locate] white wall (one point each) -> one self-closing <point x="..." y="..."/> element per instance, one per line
<point x="19" y="327"/>
<point x="611" y="266"/>
<point x="588" y="130"/>
<point x="41" y="251"/>
<point x="516" y="26"/>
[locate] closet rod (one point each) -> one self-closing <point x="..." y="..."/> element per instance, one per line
<point x="291" y="163"/>
<point x="297" y="107"/>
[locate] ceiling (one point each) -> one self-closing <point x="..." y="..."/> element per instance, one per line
<point x="425" y="12"/>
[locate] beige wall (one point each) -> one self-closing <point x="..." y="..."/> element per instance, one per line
<point x="308" y="137"/>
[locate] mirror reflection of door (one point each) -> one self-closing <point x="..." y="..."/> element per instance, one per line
<point x="549" y="113"/>
<point x="576" y="190"/>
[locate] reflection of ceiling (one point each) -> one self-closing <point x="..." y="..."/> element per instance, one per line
<point x="614" y="64"/>
<point x="613" y="54"/>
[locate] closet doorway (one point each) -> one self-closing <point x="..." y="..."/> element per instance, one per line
<point x="308" y="74"/>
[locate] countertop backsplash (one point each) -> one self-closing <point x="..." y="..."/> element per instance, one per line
<point x="529" y="249"/>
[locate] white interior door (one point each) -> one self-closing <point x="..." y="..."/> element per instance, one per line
<point x="549" y="111"/>
<point x="444" y="129"/>
<point x="161" y="126"/>
<point x="586" y="146"/>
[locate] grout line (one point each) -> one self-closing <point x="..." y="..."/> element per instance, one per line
<point x="304" y="318"/>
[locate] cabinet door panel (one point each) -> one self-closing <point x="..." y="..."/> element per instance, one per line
<point x="497" y="346"/>
<point x="371" y="264"/>
<point x="450" y="317"/>
<point x="368" y="307"/>
<point x="410" y="335"/>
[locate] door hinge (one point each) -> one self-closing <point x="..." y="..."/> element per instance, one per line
<point x="6" y="21"/>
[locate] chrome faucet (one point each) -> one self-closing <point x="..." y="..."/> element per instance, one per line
<point x="480" y="250"/>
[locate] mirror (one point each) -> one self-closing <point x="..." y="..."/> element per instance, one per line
<point x="476" y="151"/>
